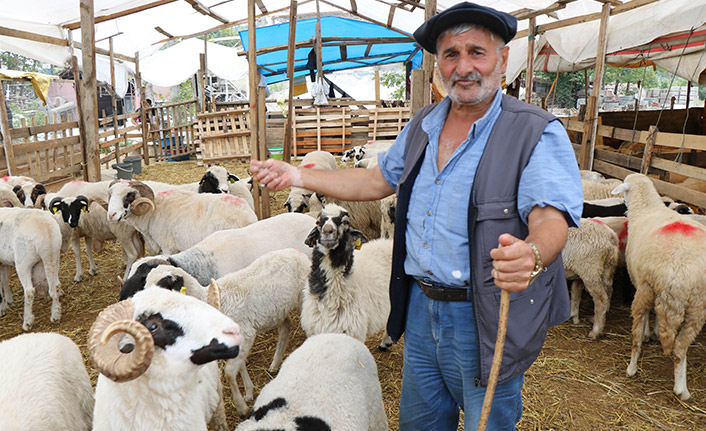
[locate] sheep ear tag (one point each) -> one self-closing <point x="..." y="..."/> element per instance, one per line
<point x="358" y="243"/>
<point x="84" y="208"/>
<point x="54" y="208"/>
<point x="183" y="290"/>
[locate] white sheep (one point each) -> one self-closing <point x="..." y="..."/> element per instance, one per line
<point x="329" y="383"/>
<point x="591" y="175"/>
<point x="666" y="257"/>
<point x="298" y="198"/>
<point x="388" y="207"/>
<point x="259" y="297"/>
<point x="31" y="240"/>
<point x="164" y="375"/>
<point x="30" y="193"/>
<point x="44" y="384"/>
<point x="175" y="220"/>
<point x="347" y="290"/>
<point x="14" y="180"/>
<point x="590" y="257"/>
<point x="601" y="189"/>
<point x="228" y="250"/>
<point x="8" y="198"/>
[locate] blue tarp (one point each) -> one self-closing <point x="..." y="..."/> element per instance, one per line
<point x="273" y="65"/>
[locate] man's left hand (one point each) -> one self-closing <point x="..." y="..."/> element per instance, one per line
<point x="513" y="262"/>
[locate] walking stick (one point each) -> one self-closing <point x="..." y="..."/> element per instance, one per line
<point x="497" y="359"/>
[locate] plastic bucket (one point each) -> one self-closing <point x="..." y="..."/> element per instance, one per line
<point x="124" y="170"/>
<point x="276" y="152"/>
<point x="136" y="164"/>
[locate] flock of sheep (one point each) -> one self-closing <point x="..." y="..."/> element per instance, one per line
<point x="203" y="277"/>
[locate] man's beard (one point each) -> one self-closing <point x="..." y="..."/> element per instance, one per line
<point x="486" y="85"/>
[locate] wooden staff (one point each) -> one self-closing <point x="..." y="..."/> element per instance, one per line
<point x="497" y="359"/>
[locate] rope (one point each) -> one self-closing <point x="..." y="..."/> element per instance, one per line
<point x="678" y="158"/>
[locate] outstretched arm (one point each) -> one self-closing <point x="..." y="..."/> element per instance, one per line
<point x="346" y="184"/>
<point x="513" y="260"/>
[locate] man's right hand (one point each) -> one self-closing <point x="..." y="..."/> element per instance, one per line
<point x="275" y="174"/>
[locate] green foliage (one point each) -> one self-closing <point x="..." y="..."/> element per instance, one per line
<point x="394" y="80"/>
<point x="702" y="92"/>
<point x="186" y="91"/>
<point x="12" y="61"/>
<point x="568" y="86"/>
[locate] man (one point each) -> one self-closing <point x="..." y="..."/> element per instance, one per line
<point x="146" y="105"/>
<point x="487" y="187"/>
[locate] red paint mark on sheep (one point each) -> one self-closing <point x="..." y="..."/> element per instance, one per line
<point x="166" y="192"/>
<point x="6" y="178"/>
<point x="76" y="182"/>
<point x="680" y="228"/>
<point x="597" y="221"/>
<point x="622" y="237"/>
<point x="232" y="200"/>
<point x="309" y="165"/>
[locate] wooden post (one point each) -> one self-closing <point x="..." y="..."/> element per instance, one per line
<point x="417" y="101"/>
<point x="202" y="83"/>
<point x="259" y="193"/>
<point x="113" y="100"/>
<point x="287" y="144"/>
<point x="427" y="58"/>
<point x="649" y="148"/>
<point x="317" y="45"/>
<point x="587" y="147"/>
<point x="529" y="72"/>
<point x="89" y="104"/>
<point x="688" y="94"/>
<point x="377" y="87"/>
<point x="6" y="134"/>
<point x="262" y="144"/>
<point x="143" y="114"/>
<point x="81" y="128"/>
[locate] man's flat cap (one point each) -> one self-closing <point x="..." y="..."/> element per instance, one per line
<point x="501" y="23"/>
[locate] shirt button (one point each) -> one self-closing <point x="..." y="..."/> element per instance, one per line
<point x="438" y="181"/>
<point x="429" y="273"/>
<point x="531" y="301"/>
<point x="426" y="245"/>
<point x="428" y="213"/>
<point x="506" y="211"/>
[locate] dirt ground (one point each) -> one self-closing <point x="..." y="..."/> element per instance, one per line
<point x="575" y="384"/>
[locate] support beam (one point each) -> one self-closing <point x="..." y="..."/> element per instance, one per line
<point x="417" y="98"/>
<point x="204" y="10"/>
<point x="390" y="16"/>
<point x="344" y="52"/>
<point x="374" y="21"/>
<point x="262" y="145"/>
<point x="6" y="135"/>
<point x="319" y="59"/>
<point x="529" y="13"/>
<point x="258" y="192"/>
<point x="587" y="148"/>
<point x="335" y="41"/>
<point x="163" y="31"/>
<point x="261" y="6"/>
<point x="21" y="34"/>
<point x="354" y="6"/>
<point x="287" y="144"/>
<point x="105" y="52"/>
<point x="77" y="24"/>
<point x="529" y="71"/>
<point x="377" y="86"/>
<point x="428" y="59"/>
<point x="89" y="102"/>
<point x="143" y="114"/>
<point x="114" y="100"/>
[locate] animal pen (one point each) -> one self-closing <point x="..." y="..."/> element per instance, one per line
<point x="667" y="144"/>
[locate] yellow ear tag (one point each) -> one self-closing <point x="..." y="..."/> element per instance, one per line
<point x="183" y="290"/>
<point x="357" y="244"/>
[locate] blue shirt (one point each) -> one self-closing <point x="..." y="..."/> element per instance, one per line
<point x="437" y="235"/>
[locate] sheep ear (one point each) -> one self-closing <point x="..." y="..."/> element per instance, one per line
<point x="55" y="205"/>
<point x="313" y="237"/>
<point x="40" y="202"/>
<point x="358" y="237"/>
<point x="214" y="295"/>
<point x="232" y="178"/>
<point x="620" y="189"/>
<point x="141" y="206"/>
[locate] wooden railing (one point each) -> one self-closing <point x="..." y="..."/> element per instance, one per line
<point x="118" y="138"/>
<point x="172" y="132"/>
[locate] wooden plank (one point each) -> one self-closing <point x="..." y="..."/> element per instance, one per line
<point x="6" y="133"/>
<point x="89" y="103"/>
<point x="41" y="145"/>
<point x="24" y="132"/>
<point x="258" y="192"/>
<point x="287" y="144"/>
<point x="679" y="168"/>
<point x="77" y="24"/>
<point x="649" y="148"/>
<point x="529" y="69"/>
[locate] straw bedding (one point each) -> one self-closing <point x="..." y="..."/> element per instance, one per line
<point x="575" y="384"/>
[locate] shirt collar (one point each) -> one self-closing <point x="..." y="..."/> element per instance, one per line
<point x="437" y="117"/>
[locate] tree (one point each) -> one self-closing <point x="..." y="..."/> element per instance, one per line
<point x="394" y="80"/>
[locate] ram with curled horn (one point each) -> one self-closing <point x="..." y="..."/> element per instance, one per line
<point x="155" y="352"/>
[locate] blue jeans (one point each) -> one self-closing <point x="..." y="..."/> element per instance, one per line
<point x="441" y="372"/>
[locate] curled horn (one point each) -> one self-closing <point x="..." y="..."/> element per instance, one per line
<point x="214" y="295"/>
<point x="145" y="203"/>
<point x="103" y="348"/>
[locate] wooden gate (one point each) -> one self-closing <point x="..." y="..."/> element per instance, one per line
<point x="223" y="136"/>
<point x="172" y="130"/>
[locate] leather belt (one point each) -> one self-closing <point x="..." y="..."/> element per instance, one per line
<point x="441" y="293"/>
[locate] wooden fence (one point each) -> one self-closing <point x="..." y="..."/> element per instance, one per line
<point x="658" y="156"/>
<point x="118" y="138"/>
<point x="223" y="135"/>
<point x="172" y="130"/>
<point x="47" y="149"/>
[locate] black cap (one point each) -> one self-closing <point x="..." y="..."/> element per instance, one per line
<point x="501" y="23"/>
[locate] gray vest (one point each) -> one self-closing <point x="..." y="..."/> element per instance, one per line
<point x="492" y="211"/>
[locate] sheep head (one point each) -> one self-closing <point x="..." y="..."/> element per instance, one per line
<point x="216" y="180"/>
<point x="333" y="230"/>
<point x="129" y="197"/>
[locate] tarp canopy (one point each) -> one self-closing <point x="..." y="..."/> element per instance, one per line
<point x="153" y="21"/>
<point x="347" y="44"/>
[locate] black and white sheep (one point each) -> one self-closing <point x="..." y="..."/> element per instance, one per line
<point x="298" y="198"/>
<point x="175" y="220"/>
<point x="590" y="257"/>
<point x="8" y="198"/>
<point x="30" y="193"/>
<point x="164" y="375"/>
<point x="615" y="207"/>
<point x="365" y="216"/>
<point x="259" y="297"/>
<point x="666" y="257"/>
<point x="347" y="290"/>
<point x="227" y="251"/>
<point x="44" y="384"/>
<point x="329" y="383"/>
<point x="31" y="242"/>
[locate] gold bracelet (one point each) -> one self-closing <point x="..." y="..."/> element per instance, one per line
<point x="538" y="265"/>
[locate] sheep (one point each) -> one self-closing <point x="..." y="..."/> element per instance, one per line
<point x="14" y="180"/>
<point x="347" y="291"/>
<point x="615" y="207"/>
<point x="355" y="153"/>
<point x="666" y="256"/>
<point x="364" y="215"/>
<point x="30" y="193"/>
<point x="388" y="207"/>
<point x="590" y="257"/>
<point x="8" y="198"/>
<point x="591" y="175"/>
<point x="368" y="151"/>
<point x="329" y="383"/>
<point x="164" y="375"/>
<point x="298" y="198"/>
<point x="44" y="384"/>
<point x="259" y="297"/>
<point x="175" y="220"/>
<point x="228" y="250"/>
<point x="94" y="226"/>
<point x="30" y="238"/>
<point x="599" y="189"/>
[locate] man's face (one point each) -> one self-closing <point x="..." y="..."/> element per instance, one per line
<point x="470" y="66"/>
